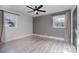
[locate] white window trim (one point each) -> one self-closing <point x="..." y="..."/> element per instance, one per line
<point x="12" y="15"/>
<point x="54" y="22"/>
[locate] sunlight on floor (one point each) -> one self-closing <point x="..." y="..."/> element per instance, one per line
<point x="69" y="49"/>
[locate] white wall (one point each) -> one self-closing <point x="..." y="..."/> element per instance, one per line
<point x="24" y="25"/>
<point x="23" y="28"/>
<point x="72" y="10"/>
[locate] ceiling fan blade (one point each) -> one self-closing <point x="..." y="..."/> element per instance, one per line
<point x="40" y="6"/>
<point x="30" y="11"/>
<point x="30" y="7"/>
<point x="41" y="10"/>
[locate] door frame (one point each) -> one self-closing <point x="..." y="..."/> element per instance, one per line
<point x="2" y="26"/>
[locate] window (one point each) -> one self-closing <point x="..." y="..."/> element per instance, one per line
<point x="58" y="21"/>
<point x="10" y="20"/>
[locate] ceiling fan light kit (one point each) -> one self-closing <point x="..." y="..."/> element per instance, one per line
<point x="36" y="11"/>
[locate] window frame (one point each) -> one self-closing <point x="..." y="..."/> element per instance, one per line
<point x="54" y="20"/>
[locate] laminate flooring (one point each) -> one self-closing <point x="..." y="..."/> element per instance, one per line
<point x="33" y="44"/>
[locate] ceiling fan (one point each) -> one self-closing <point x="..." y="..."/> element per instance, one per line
<point x="36" y="9"/>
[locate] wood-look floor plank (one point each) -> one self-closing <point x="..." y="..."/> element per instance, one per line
<point x="33" y="44"/>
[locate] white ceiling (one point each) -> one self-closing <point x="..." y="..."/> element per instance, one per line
<point x="23" y="9"/>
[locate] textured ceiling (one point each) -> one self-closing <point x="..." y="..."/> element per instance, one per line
<point x="23" y="9"/>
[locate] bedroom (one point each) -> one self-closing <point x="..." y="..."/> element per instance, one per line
<point x="49" y="31"/>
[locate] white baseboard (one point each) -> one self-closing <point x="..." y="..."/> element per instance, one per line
<point x="23" y="36"/>
<point x="58" y="38"/>
<point x="18" y="37"/>
<point x="52" y="37"/>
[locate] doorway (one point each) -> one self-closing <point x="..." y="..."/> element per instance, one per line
<point x="75" y="28"/>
